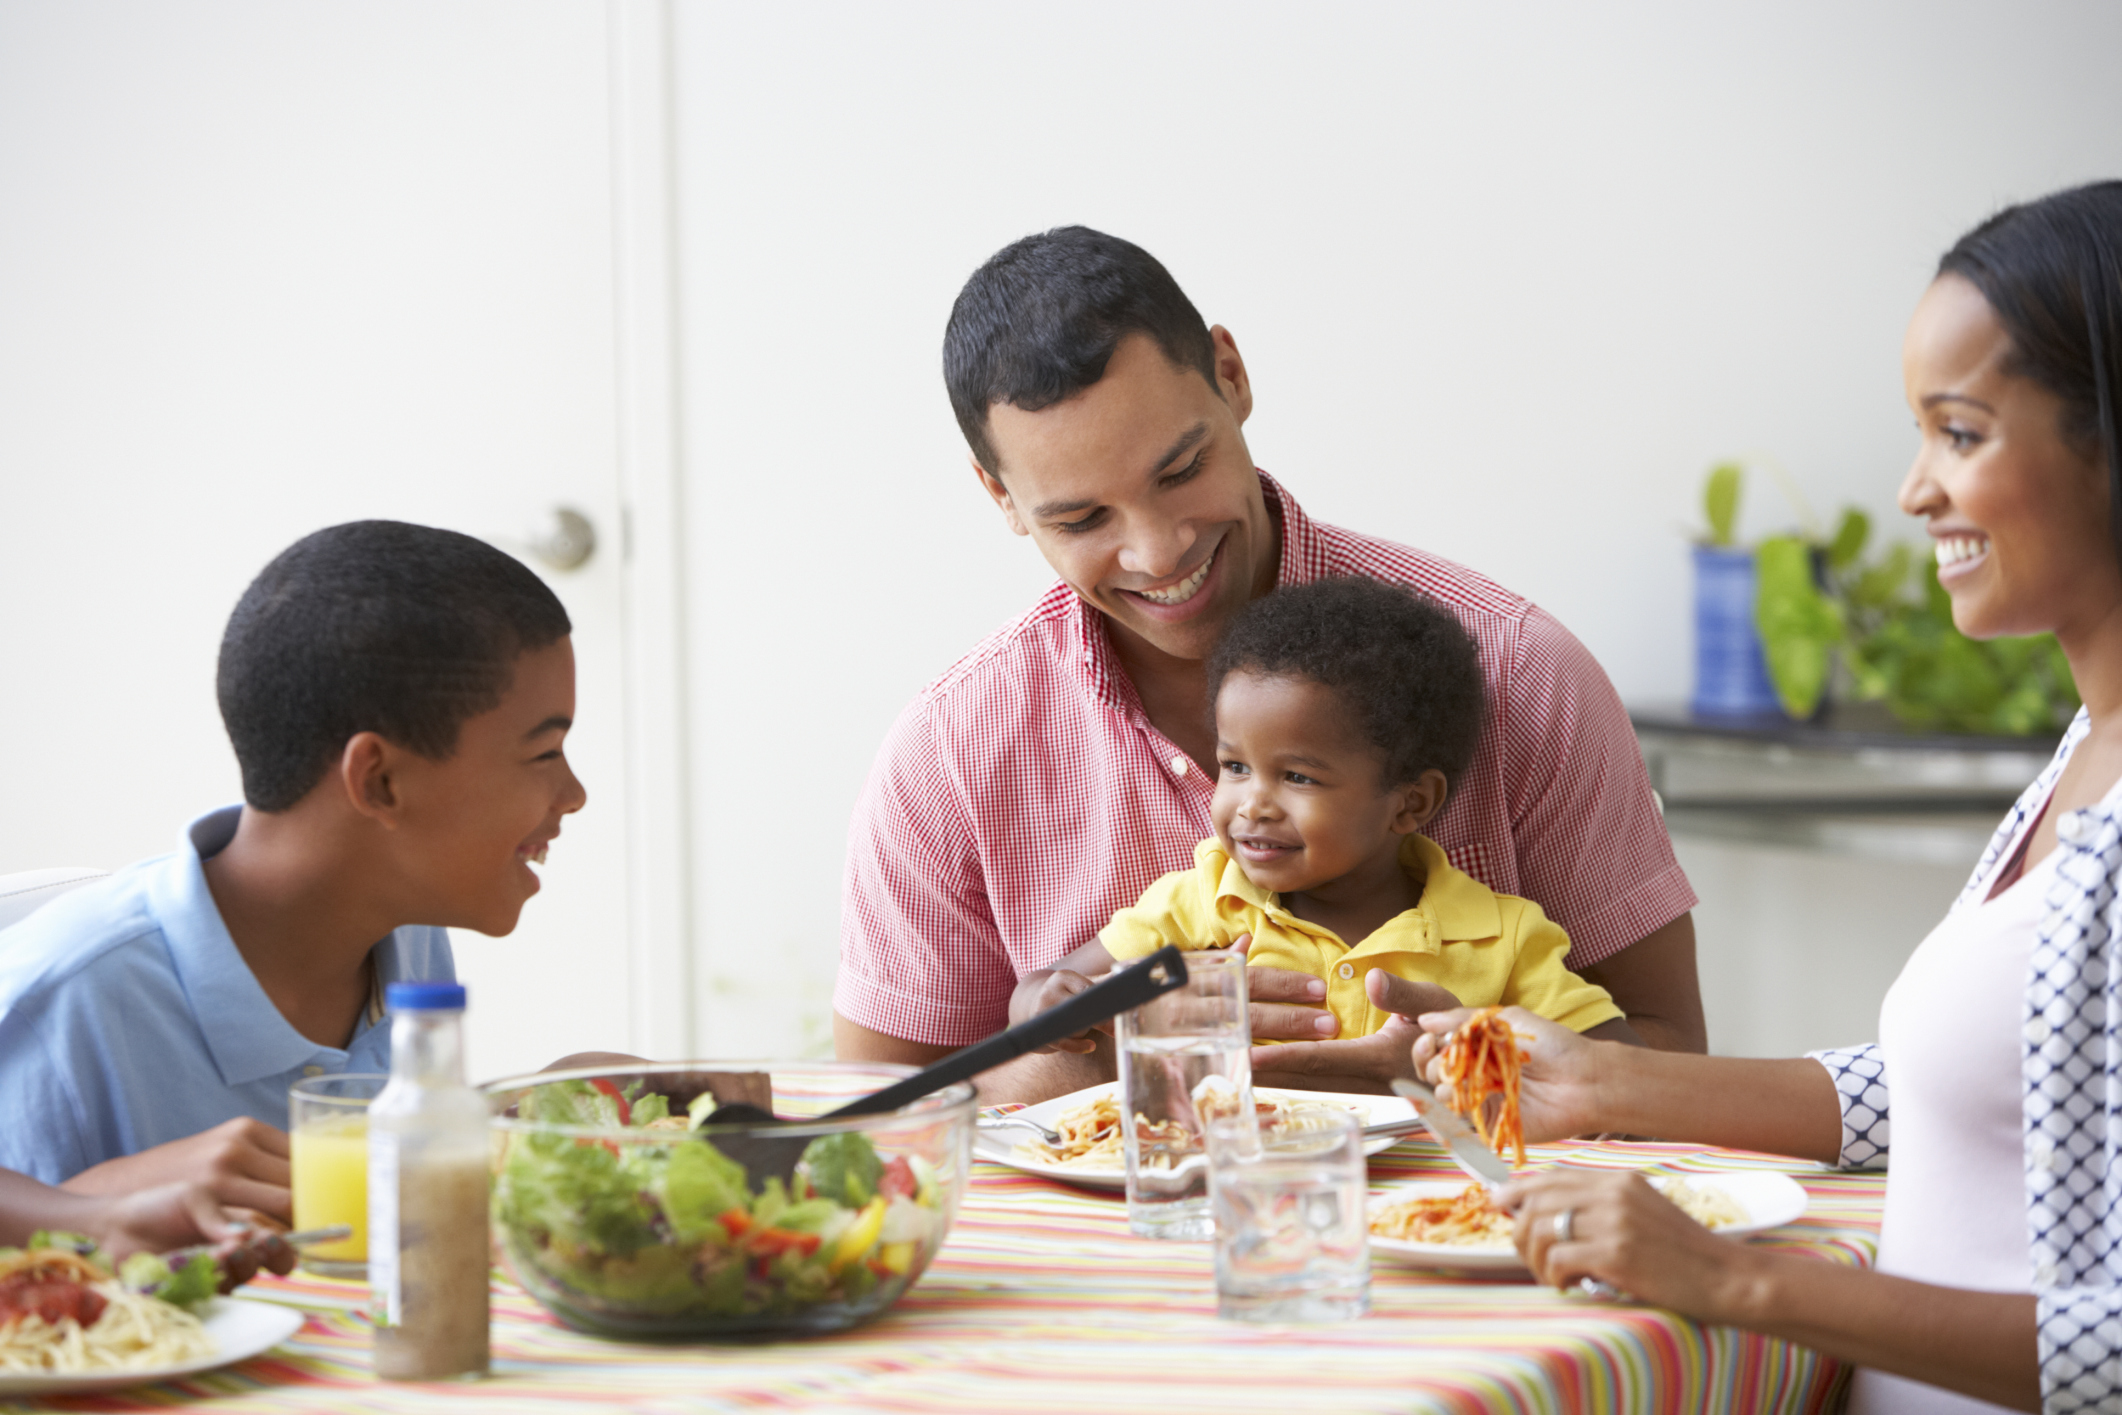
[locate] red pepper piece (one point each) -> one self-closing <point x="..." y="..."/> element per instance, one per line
<point x="897" y="1181"/>
<point x="626" y="1109"/>
<point x="769" y="1241"/>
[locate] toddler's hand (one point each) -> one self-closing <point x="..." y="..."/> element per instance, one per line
<point x="1049" y="988"/>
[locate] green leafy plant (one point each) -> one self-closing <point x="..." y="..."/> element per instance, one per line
<point x="1889" y="626"/>
<point x="1720" y="503"/>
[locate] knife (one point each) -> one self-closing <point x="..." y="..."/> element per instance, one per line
<point x="1457" y="1137"/>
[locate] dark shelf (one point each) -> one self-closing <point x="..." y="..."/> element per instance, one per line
<point x="1855" y="727"/>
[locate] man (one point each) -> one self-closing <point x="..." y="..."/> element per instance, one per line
<point x="1049" y="776"/>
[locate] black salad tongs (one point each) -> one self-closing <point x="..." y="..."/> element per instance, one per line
<point x="765" y="1154"/>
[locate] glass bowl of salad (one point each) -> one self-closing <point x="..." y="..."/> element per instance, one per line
<point x="621" y="1208"/>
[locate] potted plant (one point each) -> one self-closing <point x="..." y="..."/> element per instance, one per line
<point x="1731" y="672"/>
<point x="1882" y="631"/>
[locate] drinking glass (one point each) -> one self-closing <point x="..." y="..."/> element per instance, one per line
<point x="1185" y="1058"/>
<point x="1292" y="1227"/>
<point x="328" y="1151"/>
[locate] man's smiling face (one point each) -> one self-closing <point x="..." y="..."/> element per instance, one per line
<point x="1141" y="494"/>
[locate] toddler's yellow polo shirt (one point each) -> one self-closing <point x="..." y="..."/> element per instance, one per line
<point x="1487" y="948"/>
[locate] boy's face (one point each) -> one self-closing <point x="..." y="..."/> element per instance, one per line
<point x="1300" y="800"/>
<point x="471" y="826"/>
<point x="1140" y="492"/>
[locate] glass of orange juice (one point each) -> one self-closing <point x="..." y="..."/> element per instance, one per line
<point x="328" y="1151"/>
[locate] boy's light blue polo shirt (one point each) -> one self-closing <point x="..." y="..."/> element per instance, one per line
<point x="128" y="1018"/>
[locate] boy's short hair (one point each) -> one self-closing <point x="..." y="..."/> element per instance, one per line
<point x="373" y="626"/>
<point x="1040" y="320"/>
<point x="1404" y="665"/>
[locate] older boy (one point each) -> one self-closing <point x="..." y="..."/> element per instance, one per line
<point x="398" y="698"/>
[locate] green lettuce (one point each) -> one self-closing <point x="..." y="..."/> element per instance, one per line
<point x="843" y="1168"/>
<point x="580" y="1193"/>
<point x="186" y="1287"/>
<point x="701" y="1184"/>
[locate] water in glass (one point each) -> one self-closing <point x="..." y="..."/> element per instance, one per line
<point x="1292" y="1232"/>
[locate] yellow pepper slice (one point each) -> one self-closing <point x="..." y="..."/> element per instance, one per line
<point x="897" y="1257"/>
<point x="861" y="1237"/>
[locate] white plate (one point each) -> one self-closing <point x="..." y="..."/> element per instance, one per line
<point x="1770" y="1200"/>
<point x="1000" y="1145"/>
<point x="240" y="1330"/>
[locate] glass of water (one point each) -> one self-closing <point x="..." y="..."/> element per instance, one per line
<point x="1292" y="1227"/>
<point x="1185" y="1059"/>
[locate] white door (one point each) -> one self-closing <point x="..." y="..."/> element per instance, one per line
<point x="264" y="268"/>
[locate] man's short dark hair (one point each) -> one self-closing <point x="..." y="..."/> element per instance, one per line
<point x="1404" y="666"/>
<point x="1040" y="320"/>
<point x="373" y="626"/>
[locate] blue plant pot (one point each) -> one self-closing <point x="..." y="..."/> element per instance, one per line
<point x="1731" y="675"/>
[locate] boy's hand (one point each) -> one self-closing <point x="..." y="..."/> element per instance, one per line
<point x="1049" y="988"/>
<point x="241" y="1163"/>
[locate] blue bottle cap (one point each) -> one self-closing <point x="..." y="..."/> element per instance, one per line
<point x="424" y="997"/>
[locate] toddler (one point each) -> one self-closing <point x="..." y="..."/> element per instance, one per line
<point x="1344" y="711"/>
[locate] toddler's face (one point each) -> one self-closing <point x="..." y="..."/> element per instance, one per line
<point x="1299" y="796"/>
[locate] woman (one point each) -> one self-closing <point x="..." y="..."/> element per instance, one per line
<point x="2000" y="1265"/>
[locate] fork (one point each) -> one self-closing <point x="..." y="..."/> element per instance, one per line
<point x="1052" y="1137"/>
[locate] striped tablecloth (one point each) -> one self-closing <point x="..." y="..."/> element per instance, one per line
<point x="1042" y="1302"/>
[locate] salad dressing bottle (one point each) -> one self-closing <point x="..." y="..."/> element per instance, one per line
<point x="427" y="1195"/>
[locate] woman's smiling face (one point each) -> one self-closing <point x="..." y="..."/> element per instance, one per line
<point x="2018" y="514"/>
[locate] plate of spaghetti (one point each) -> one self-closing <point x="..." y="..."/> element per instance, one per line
<point x="1450" y="1224"/>
<point x="69" y="1325"/>
<point x="1091" y="1151"/>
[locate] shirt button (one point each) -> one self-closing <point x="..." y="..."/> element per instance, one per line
<point x="2074" y="829"/>
<point x="2044" y="1149"/>
<point x="2045" y="1275"/>
<point x="1180" y="764"/>
<point x="1348" y="970"/>
<point x="2037" y="1030"/>
<point x="313" y="1071"/>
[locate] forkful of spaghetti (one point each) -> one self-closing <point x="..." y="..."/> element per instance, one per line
<point x="1482" y="1059"/>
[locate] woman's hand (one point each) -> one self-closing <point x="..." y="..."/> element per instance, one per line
<point x="1558" y="1082"/>
<point x="1579" y="1223"/>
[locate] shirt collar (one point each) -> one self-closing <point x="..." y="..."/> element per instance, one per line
<point x="244" y="1031"/>
<point x="1304" y="558"/>
<point x="1461" y="906"/>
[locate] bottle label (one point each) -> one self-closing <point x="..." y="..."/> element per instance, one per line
<point x="386" y="1300"/>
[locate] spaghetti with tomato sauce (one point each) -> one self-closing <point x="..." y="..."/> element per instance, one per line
<point x="61" y="1313"/>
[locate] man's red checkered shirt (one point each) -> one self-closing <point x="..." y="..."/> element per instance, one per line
<point x="1024" y="796"/>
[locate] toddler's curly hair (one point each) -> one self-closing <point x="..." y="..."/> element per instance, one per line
<point x="1404" y="666"/>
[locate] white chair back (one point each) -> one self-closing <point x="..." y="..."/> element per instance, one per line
<point x="22" y="895"/>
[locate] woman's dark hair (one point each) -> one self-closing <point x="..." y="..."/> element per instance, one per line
<point x="1040" y="320"/>
<point x="2052" y="271"/>
<point x="1404" y="667"/>
<point x="373" y="626"/>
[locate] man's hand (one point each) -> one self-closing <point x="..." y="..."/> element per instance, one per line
<point x="1286" y="1006"/>
<point x="1360" y="1064"/>
<point x="240" y="1162"/>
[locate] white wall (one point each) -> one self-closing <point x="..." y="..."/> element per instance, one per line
<point x="1508" y="278"/>
<point x="1541" y="259"/>
<point x="265" y="267"/>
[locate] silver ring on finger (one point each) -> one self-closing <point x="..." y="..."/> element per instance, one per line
<point x="1597" y="1289"/>
<point x="1565" y="1225"/>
